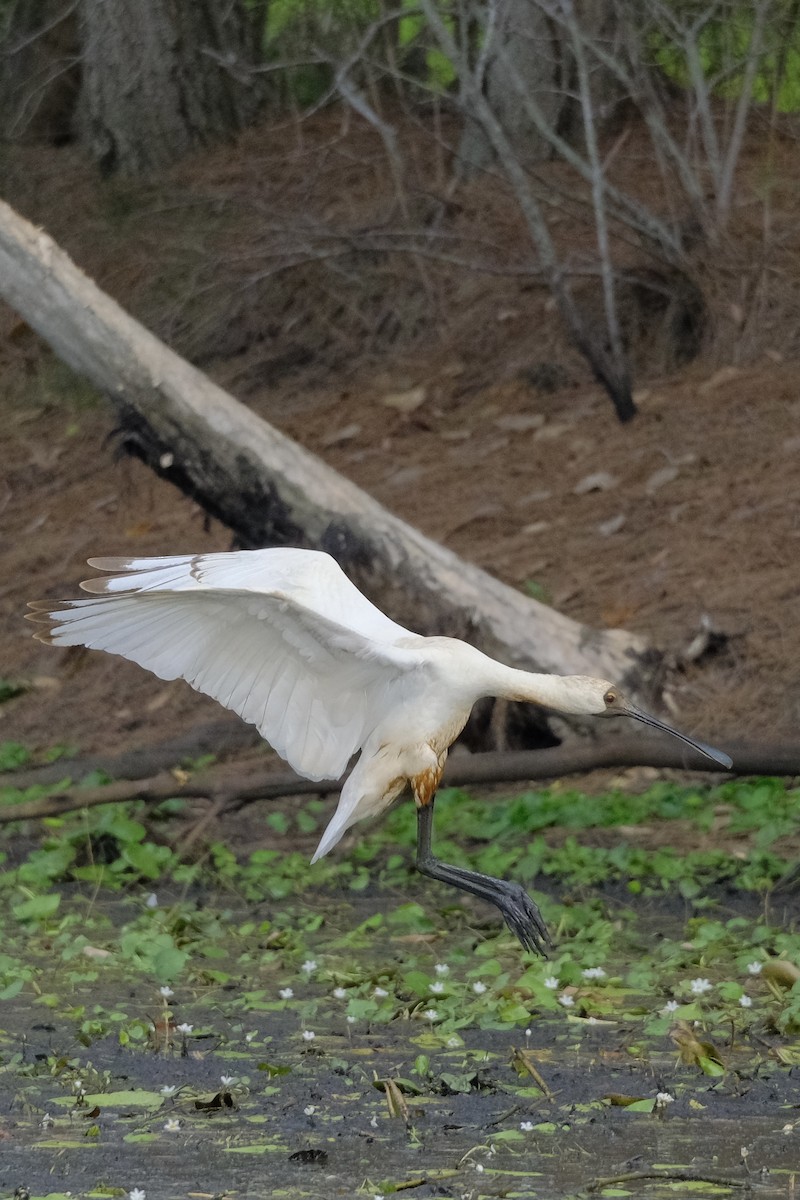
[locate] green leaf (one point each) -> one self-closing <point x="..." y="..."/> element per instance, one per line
<point x="509" y="1010"/>
<point x="147" y="858"/>
<point x="709" y="1067"/>
<point x="128" y="1099"/>
<point x="645" y="1106"/>
<point x="456" y="1082"/>
<point x="274" y="1070"/>
<point x="9" y="688"/>
<point x="418" y="983"/>
<point x="37" y="908"/>
<point x="168" y="962"/>
<point x="13" y="755"/>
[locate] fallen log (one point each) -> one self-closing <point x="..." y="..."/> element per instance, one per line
<point x="270" y="491"/>
<point x="462" y="770"/>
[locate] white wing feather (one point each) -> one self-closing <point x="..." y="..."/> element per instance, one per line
<point x="281" y="637"/>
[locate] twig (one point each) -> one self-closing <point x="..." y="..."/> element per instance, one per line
<point x="211" y="814"/>
<point x="677" y="1176"/>
<point x="525" y="1058"/>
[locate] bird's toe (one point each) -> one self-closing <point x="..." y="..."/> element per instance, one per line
<point x="525" y="921"/>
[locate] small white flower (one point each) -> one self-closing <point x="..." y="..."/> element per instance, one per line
<point x="566" y="1000"/>
<point x="452" y="1043"/>
<point x="442" y="969"/>
<point x="699" y="986"/>
<point x="670" y="1007"/>
<point x="227" y="1080"/>
<point x="308" y="1035"/>
<point x="350" y="1020"/>
<point x="286" y="993"/>
<point x="47" y="1121"/>
<point x="136" y="1194"/>
<point x="431" y="1014"/>
<point x="310" y="1109"/>
<point x="788" y="1129"/>
<point x="593" y="973"/>
<point x="526" y="1126"/>
<point x="184" y="1028"/>
<point x="152" y="900"/>
<point x="166" y="992"/>
<point x="437" y="988"/>
<point x="745" y="1002"/>
<point x="479" y="1168"/>
<point x="377" y="1197"/>
<point x="664" y="1098"/>
<point x="380" y="993"/>
<point x="373" y="1122"/>
<point x="479" y="988"/>
<point x="339" y="993"/>
<point x="249" y="1037"/>
<point x="309" y="966"/>
<point x="551" y="982"/>
<point x="172" y="1125"/>
<point x="528" y="1032"/>
<point x="755" y="968"/>
<point x="169" y="1089"/>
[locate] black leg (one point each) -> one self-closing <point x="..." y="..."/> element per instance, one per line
<point x="519" y="912"/>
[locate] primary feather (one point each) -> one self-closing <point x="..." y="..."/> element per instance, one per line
<point x="280" y="636"/>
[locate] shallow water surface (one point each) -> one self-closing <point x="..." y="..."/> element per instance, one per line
<point x="219" y="1088"/>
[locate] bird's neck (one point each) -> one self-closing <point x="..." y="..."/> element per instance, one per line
<point x="551" y="691"/>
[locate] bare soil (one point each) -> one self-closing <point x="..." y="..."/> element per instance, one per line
<point x="695" y="515"/>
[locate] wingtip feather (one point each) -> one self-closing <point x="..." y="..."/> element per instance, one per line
<point x="111" y="564"/>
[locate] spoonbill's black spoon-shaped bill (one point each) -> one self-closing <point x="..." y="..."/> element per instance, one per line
<point x="284" y="639"/>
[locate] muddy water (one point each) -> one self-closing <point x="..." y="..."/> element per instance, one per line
<point x="311" y="1122"/>
<point x="254" y="1108"/>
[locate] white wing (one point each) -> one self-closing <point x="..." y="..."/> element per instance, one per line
<point x="281" y="637"/>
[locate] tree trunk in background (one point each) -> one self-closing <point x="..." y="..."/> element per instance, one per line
<point x="39" y="70"/>
<point x="161" y="77"/>
<point x="530" y="53"/>
<point x="523" y="40"/>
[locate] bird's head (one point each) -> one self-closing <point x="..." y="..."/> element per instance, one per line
<point x="609" y="701"/>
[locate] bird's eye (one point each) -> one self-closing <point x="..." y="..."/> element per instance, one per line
<point x="610" y="697"/>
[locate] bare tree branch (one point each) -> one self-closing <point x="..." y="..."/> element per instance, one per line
<point x="238" y="788"/>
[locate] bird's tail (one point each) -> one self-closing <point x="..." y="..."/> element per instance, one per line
<point x="368" y="790"/>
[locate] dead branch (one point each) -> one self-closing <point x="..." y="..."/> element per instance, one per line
<point x="226" y="785"/>
<point x="682" y="1175"/>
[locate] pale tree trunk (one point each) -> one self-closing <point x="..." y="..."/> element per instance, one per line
<point x="162" y="77"/>
<point x="525" y="60"/>
<point x="515" y="37"/>
<point x="271" y="491"/>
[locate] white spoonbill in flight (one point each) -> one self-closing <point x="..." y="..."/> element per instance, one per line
<point x="284" y="639"/>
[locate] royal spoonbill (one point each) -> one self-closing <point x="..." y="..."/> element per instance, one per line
<point x="284" y="639"/>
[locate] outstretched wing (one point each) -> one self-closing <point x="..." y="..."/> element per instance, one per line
<point x="281" y="637"/>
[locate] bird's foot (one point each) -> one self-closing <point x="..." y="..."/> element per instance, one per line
<point x="523" y="917"/>
<point x="520" y="913"/>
